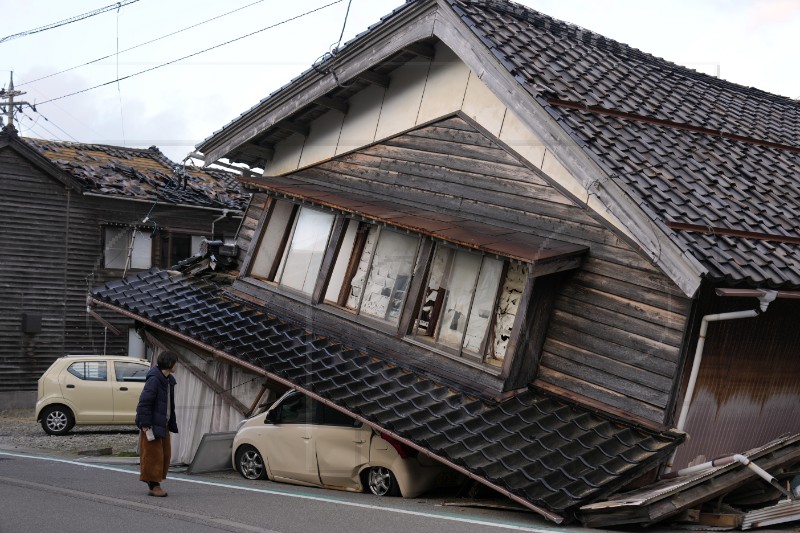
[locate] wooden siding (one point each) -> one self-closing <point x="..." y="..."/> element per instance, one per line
<point x="52" y="256"/>
<point x="616" y="331"/>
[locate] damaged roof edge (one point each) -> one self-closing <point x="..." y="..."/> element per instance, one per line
<point x="354" y="57"/>
<point x="553" y="517"/>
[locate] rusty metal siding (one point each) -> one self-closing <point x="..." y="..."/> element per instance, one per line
<point x="748" y="388"/>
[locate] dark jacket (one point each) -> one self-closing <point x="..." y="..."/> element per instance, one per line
<point x="152" y="408"/>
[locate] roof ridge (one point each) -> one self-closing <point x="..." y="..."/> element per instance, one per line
<point x="587" y="36"/>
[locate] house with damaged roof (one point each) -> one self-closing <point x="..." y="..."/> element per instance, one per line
<point x="537" y="255"/>
<point x="75" y="215"/>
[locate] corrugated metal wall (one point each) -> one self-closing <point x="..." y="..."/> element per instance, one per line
<point x="748" y="388"/>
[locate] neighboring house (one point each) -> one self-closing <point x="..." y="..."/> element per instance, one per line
<point x="495" y="236"/>
<point x="75" y="215"/>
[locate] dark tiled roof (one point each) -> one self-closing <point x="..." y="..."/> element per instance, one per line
<point x="553" y="454"/>
<point x="736" y="171"/>
<point x="120" y="172"/>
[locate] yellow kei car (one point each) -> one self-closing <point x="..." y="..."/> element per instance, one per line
<point x="89" y="390"/>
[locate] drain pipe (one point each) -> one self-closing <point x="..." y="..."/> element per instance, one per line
<point x="730" y="459"/>
<point x="213" y="222"/>
<point x="764" y="301"/>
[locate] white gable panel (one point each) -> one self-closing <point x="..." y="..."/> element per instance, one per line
<point x="403" y="98"/>
<point x="361" y="121"/>
<point x="482" y="106"/>
<point x="446" y="85"/>
<point x="323" y="138"/>
<point x="287" y="156"/>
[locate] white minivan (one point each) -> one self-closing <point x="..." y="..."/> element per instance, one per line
<point x="301" y="441"/>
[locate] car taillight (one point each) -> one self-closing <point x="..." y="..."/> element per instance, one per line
<point x="402" y="450"/>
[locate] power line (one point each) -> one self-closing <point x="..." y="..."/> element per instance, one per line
<point x="194" y="54"/>
<point x="56" y="126"/>
<point x="70" y="20"/>
<point x="52" y="135"/>
<point x="217" y="17"/>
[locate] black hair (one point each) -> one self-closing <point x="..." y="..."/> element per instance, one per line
<point x="166" y="360"/>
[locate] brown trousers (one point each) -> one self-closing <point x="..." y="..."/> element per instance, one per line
<point x="154" y="458"/>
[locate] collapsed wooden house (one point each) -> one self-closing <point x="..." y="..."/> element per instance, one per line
<point x="513" y="244"/>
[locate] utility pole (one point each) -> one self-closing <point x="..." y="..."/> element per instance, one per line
<point x="7" y="103"/>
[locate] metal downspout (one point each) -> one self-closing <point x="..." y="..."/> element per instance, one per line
<point x="764" y="302"/>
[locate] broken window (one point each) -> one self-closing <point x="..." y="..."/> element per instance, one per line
<point x="127" y="248"/>
<point x="372" y="272"/>
<point x="460" y="312"/>
<point x="293" y="246"/>
<point x="176" y="247"/>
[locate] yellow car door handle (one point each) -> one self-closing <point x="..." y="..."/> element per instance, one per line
<point x="70" y="386"/>
<point x="123" y="388"/>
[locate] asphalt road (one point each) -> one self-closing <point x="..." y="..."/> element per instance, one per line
<point x="41" y="494"/>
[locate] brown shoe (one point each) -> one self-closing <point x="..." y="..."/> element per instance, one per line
<point x="158" y="492"/>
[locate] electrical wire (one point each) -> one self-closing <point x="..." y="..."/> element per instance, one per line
<point x="50" y="133"/>
<point x="54" y="125"/>
<point x="70" y="20"/>
<point x="193" y="54"/>
<point x="217" y="17"/>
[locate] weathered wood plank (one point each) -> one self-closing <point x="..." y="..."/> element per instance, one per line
<point x="624" y="304"/>
<point x="581" y="325"/>
<point x="590" y="374"/>
<point x="561" y="333"/>
<point x="612" y="366"/>
<point x="600" y="394"/>
<point x="623" y="323"/>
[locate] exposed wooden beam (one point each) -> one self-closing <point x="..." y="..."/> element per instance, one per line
<point x="337" y="104"/>
<point x="422" y="50"/>
<point x="370" y="76"/>
<point x="213" y="385"/>
<point x="293" y="127"/>
<point x="255" y="150"/>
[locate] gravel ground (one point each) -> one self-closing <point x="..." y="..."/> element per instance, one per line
<point x="20" y="431"/>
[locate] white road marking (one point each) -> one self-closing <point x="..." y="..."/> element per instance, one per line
<point x="178" y="477"/>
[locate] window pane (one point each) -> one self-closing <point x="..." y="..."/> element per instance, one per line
<point x="342" y="262"/>
<point x="115" y="251"/>
<point x="307" y="247"/>
<point x="89" y="370"/>
<point x="360" y="277"/>
<point x="117" y="242"/>
<point x="480" y="315"/>
<point x="130" y="371"/>
<point x="507" y="309"/>
<point x="389" y="276"/>
<point x="141" y="255"/>
<point x="460" y="287"/>
<point x="297" y="410"/>
<point x="273" y="236"/>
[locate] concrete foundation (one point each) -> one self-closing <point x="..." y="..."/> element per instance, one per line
<point x="18" y="400"/>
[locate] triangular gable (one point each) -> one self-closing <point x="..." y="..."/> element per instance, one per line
<point x="296" y="125"/>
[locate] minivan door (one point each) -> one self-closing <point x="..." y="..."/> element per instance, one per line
<point x="343" y="445"/>
<point x="290" y="449"/>
<point x="129" y="378"/>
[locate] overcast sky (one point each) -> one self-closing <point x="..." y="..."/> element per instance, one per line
<point x="751" y="42"/>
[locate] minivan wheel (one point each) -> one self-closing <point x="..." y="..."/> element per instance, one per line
<point x="381" y="482"/>
<point x="249" y="463"/>
<point x="57" y="420"/>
